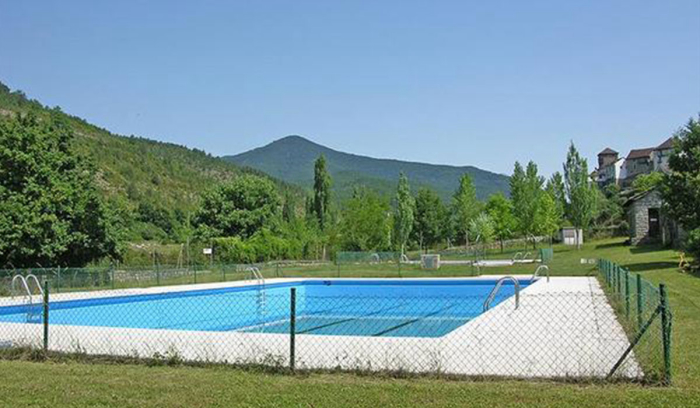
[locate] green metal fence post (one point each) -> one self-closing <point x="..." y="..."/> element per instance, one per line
<point x="58" y="279"/>
<point x="665" y="333"/>
<point x="640" y="301"/>
<point x="46" y="315"/>
<point x="627" y="294"/>
<point x="111" y="274"/>
<point x="292" y="327"/>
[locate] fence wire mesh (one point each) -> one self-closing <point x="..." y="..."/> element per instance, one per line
<point x="566" y="334"/>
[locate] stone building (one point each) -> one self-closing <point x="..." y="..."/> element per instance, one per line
<point x="647" y="221"/>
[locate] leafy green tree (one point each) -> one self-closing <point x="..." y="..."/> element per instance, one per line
<point x="500" y="209"/>
<point x="681" y="187"/>
<point x="366" y="222"/>
<point x="465" y="206"/>
<point x="555" y="187"/>
<point x="581" y="192"/>
<point x="482" y="228"/>
<point x="429" y="218"/>
<point x="610" y="215"/>
<point x="526" y="189"/>
<point x="50" y="209"/>
<point x="322" y="191"/>
<point x="647" y="182"/>
<point x="548" y="217"/>
<point x="403" y="215"/>
<point x="238" y="208"/>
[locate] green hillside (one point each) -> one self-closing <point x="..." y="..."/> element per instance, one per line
<point x="291" y="159"/>
<point x="153" y="184"/>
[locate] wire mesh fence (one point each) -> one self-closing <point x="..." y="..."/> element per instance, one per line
<point x="580" y="331"/>
<point x="642" y="309"/>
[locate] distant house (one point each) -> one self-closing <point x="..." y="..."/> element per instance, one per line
<point x="637" y="162"/>
<point x="610" y="167"/>
<point x="647" y="221"/>
<point x="660" y="155"/>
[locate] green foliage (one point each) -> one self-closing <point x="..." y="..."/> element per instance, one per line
<point x="500" y="209"/>
<point x="548" y="218"/>
<point x="263" y="246"/>
<point x="366" y="222"/>
<point x="555" y="187"/>
<point x="482" y="228"/>
<point x="681" y="187"/>
<point x="403" y="215"/>
<point x="50" y="210"/>
<point x="430" y="217"/>
<point x="647" y="182"/>
<point x="238" y="208"/>
<point x="133" y="171"/>
<point x="526" y="189"/>
<point x="465" y="205"/>
<point x="322" y="191"/>
<point x="610" y="217"/>
<point x="580" y="191"/>
<point x="292" y="159"/>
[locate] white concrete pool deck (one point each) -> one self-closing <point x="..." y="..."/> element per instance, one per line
<point x="562" y="328"/>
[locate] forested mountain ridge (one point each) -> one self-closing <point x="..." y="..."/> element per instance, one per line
<point x="155" y="185"/>
<point x="291" y="159"/>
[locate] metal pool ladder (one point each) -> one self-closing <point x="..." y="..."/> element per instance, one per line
<point x="494" y="291"/>
<point x="24" y="282"/>
<point x="262" y="297"/>
<point x="537" y="272"/>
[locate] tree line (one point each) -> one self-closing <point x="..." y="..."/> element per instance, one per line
<point x="52" y="214"/>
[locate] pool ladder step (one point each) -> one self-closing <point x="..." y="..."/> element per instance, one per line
<point x="34" y="311"/>
<point x="262" y="296"/>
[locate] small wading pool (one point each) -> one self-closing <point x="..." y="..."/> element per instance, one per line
<point x="347" y="307"/>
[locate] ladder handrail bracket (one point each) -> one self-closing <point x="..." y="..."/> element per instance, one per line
<point x="494" y="291"/>
<point x="537" y="272"/>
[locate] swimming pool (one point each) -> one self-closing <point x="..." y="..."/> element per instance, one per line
<point x="344" y="307"/>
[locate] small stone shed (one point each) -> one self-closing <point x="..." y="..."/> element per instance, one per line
<point x="647" y="221"/>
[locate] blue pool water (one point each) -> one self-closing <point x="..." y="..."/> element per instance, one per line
<point x="382" y="307"/>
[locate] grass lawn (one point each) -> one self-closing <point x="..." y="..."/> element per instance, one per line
<point x="75" y="383"/>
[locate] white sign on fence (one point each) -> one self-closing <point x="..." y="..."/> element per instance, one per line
<point x="206" y="251"/>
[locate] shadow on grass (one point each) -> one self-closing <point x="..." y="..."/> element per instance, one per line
<point x="643" y="249"/>
<point x="618" y="244"/>
<point x="650" y="266"/>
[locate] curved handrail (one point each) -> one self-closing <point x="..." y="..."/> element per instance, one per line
<point x="404" y="258"/>
<point x="375" y="256"/>
<point x="517" y="254"/>
<point x="537" y="272"/>
<point x="32" y="277"/>
<point x="495" y="289"/>
<point x="525" y="256"/>
<point x="255" y="273"/>
<point x="23" y="281"/>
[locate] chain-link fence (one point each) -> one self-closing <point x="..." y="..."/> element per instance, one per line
<point x="643" y="310"/>
<point x="569" y="328"/>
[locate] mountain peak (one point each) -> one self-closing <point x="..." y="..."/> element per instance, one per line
<point x="291" y="159"/>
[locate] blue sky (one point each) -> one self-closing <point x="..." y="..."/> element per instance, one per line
<point x="482" y="83"/>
